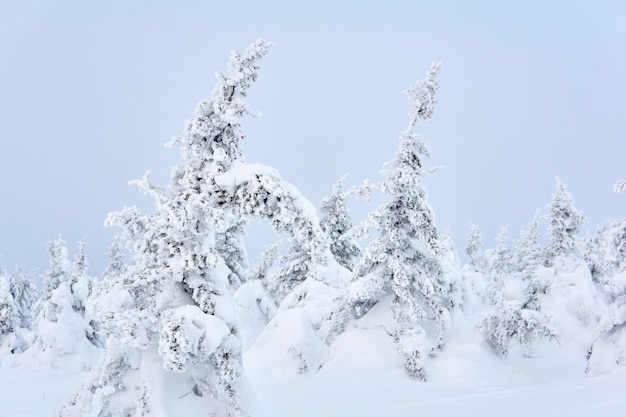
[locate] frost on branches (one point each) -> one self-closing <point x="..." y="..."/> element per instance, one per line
<point x="404" y="260"/>
<point x="173" y="333"/>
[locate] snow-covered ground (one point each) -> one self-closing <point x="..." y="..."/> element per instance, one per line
<point x="363" y="378"/>
<point x="474" y="386"/>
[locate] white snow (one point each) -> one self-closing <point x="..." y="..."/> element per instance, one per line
<point x="365" y="378"/>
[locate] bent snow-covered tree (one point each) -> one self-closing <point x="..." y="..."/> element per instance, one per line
<point x="403" y="260"/>
<point x="173" y="334"/>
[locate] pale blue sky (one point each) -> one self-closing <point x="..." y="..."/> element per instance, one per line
<point x="90" y="91"/>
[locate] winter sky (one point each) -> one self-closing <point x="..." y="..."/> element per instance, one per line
<point x="90" y="92"/>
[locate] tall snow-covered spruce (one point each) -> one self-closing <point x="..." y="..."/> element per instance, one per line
<point x="402" y="264"/>
<point x="173" y="344"/>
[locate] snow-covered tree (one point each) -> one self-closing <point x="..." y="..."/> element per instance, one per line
<point x="498" y="268"/>
<point x="402" y="262"/>
<point x="473" y="275"/>
<point x="513" y="316"/>
<point x="229" y="245"/>
<point x="64" y="337"/>
<point x="25" y="294"/>
<point x="170" y="315"/>
<point x="501" y="257"/>
<point x="605" y="252"/>
<point x="59" y="267"/>
<point x="10" y="335"/>
<point x="18" y="295"/>
<point x="308" y="250"/>
<point x="564" y="223"/>
<point x="473" y="249"/>
<point x="510" y="323"/>
<point x="528" y="253"/>
<point x="556" y="282"/>
<point x="116" y="265"/>
<point x="528" y="257"/>
<point x="336" y="223"/>
<point x="606" y="255"/>
<point x="80" y="283"/>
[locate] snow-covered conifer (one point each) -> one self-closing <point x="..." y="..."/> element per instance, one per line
<point x="64" y="338"/>
<point x="501" y="257"/>
<point x="229" y="245"/>
<point x="606" y="256"/>
<point x="116" y="265"/>
<point x="528" y="257"/>
<point x="336" y="223"/>
<point x="59" y="267"/>
<point x="473" y="249"/>
<point x="403" y="261"/>
<point x="81" y="284"/>
<point x="556" y="284"/>
<point x="25" y="294"/>
<point x="10" y="335"/>
<point x="513" y="315"/>
<point x="565" y="222"/>
<point x="499" y="264"/>
<point x="509" y="322"/>
<point x="307" y="250"/>
<point x="211" y="144"/>
<point x="474" y="274"/>
<point x="18" y="295"/>
<point x="170" y="316"/>
<point x="529" y="253"/>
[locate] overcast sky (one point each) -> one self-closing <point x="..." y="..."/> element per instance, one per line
<point x="90" y="91"/>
